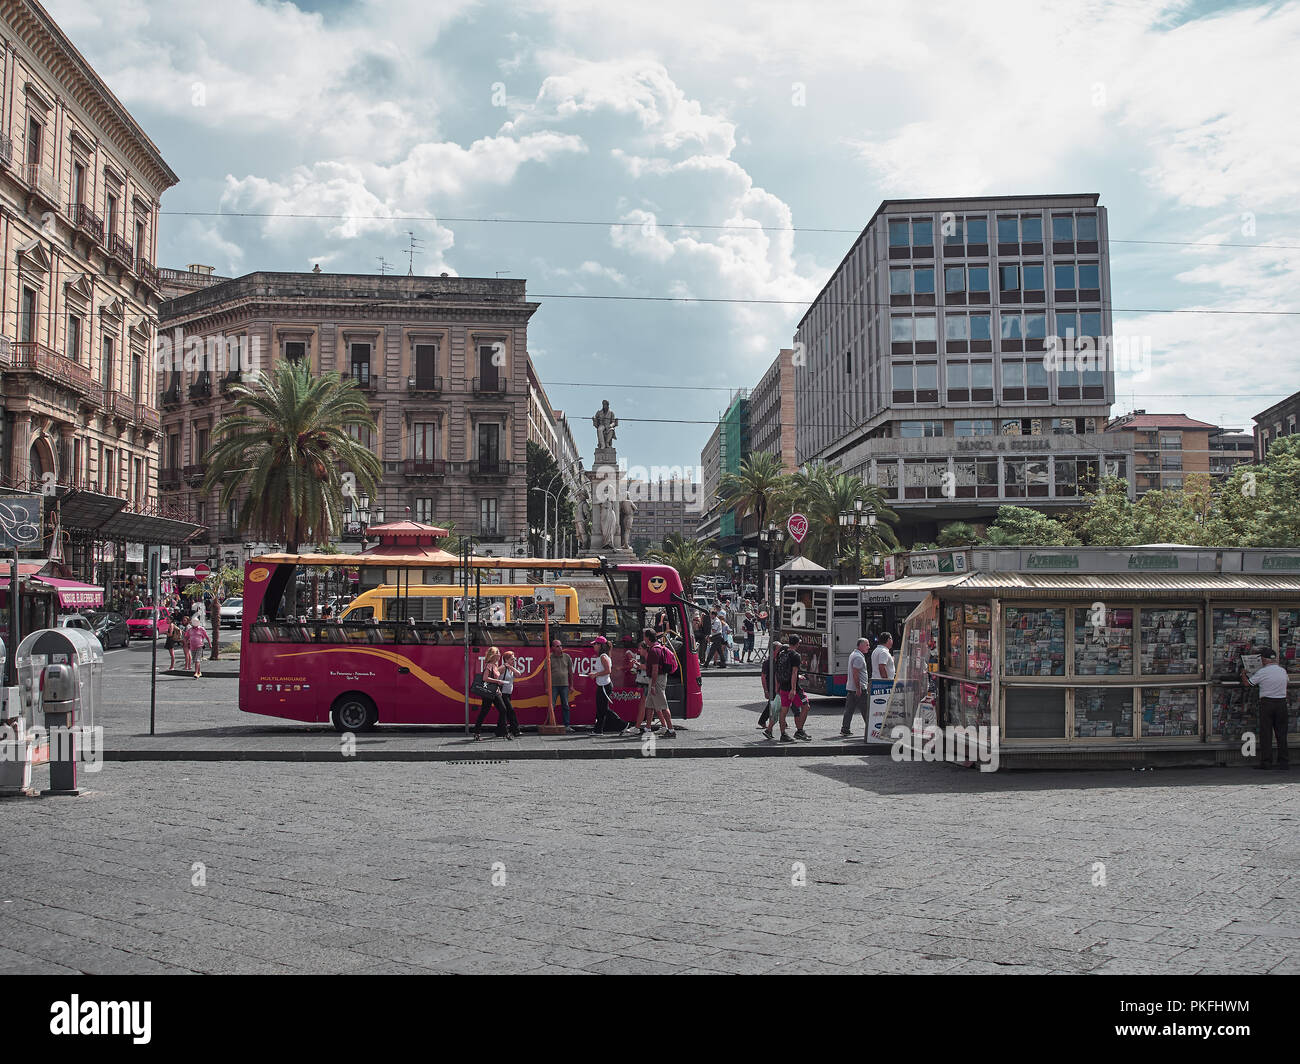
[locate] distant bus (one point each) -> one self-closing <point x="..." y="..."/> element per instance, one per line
<point x="490" y="603"/>
<point x="831" y="618"/>
<point x="358" y="672"/>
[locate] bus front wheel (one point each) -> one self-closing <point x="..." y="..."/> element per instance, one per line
<point x="353" y="713"/>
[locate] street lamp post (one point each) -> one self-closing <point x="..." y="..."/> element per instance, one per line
<point x="546" y="522"/>
<point x="858" y="518"/>
<point x="771" y="539"/>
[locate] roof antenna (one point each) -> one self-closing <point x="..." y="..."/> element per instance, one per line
<point x="384" y="266"/>
<point x="415" y="247"/>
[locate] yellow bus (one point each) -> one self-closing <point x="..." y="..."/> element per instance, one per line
<point x="492" y="604"/>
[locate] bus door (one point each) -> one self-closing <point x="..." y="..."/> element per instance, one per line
<point x="622" y="626"/>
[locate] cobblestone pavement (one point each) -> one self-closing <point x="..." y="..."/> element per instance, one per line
<point x="653" y="866"/>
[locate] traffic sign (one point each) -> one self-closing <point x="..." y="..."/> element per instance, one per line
<point x="201" y="571"/>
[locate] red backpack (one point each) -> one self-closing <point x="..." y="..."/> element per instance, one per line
<point x="668" y="663"/>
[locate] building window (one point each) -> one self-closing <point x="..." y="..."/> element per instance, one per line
<point x="424" y="439"/>
<point x="78" y="185"/>
<point x="108" y="363"/>
<point x="487" y="517"/>
<point x="359" y="355"/>
<point x="913" y="430"/>
<point x="489" y="446"/>
<point x="489" y="372"/>
<point x="954" y="279"/>
<point x="1171" y="441"/>
<point x="976" y="427"/>
<point x="978" y="280"/>
<point x="364" y="435"/>
<point x="136" y="377"/>
<point x="424" y="510"/>
<point x="295" y="350"/>
<point x="139" y="240"/>
<point x="110" y="214"/>
<point x="34" y="143"/>
<point x="173" y="451"/>
<point x="425" y="366"/>
<point x="1062" y="227"/>
<point x="27" y="316"/>
<point x="74" y="338"/>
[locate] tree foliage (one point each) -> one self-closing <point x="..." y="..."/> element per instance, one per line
<point x="288" y="455"/>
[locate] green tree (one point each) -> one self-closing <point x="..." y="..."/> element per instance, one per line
<point x="821" y="494"/>
<point x="1108" y="519"/>
<point x="759" y="483"/>
<point x="1259" y="505"/>
<point x="544" y="473"/>
<point x="287" y="453"/>
<point x="691" y="558"/>
<point x="219" y="585"/>
<point x="958" y="534"/>
<point x="1019" y="526"/>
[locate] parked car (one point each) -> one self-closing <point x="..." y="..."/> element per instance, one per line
<point x="146" y="620"/>
<point x="111" y="628"/>
<point x="75" y="620"/>
<point x="232" y="612"/>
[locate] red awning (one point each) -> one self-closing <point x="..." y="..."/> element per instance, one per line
<point x="73" y="593"/>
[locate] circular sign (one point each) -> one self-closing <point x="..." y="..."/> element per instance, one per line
<point x="798" y="526"/>
<point x="258" y="575"/>
<point x="201" y="571"/>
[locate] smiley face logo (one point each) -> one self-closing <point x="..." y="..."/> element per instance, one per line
<point x="258" y="575"/>
<point x="657" y="584"/>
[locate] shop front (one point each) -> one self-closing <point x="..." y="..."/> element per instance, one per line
<point x="1106" y="654"/>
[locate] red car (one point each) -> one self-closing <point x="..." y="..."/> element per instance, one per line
<point x="141" y="620"/>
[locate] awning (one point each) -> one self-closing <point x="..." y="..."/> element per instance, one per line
<point x="1082" y="585"/>
<point x="73" y="593"/>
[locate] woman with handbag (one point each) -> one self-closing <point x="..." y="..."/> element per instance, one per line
<point x="509" y="670"/>
<point x="487" y="685"/>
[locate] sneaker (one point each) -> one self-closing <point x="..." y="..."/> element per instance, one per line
<point x="846" y="733"/>
<point x="568" y="731"/>
<point x="768" y="732"/>
<point x="669" y="734"/>
<point x="801" y="734"/>
<point x="785" y="738"/>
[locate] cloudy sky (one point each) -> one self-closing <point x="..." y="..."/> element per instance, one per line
<point x="750" y="127"/>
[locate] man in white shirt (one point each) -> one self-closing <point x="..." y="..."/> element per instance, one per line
<point x="882" y="661"/>
<point x="1271" y="679"/>
<point x="857" y="687"/>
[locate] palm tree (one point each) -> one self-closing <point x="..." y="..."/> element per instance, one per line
<point x="822" y="494"/>
<point x="691" y="558"/>
<point x="288" y="452"/>
<point x="760" y="482"/>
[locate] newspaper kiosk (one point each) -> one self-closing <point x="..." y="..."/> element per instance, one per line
<point x="1099" y="654"/>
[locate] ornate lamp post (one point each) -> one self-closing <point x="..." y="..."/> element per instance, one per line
<point x="857" y="519"/>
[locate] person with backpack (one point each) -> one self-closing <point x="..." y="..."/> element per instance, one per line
<point x="792" y="695"/>
<point x="661" y="663"/>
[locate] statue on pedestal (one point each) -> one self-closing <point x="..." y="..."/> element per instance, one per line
<point x="582" y="518"/>
<point x="605" y="422"/>
<point x="608" y="524"/>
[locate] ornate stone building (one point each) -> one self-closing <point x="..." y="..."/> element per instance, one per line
<point x="80" y="184"/>
<point x="443" y="361"/>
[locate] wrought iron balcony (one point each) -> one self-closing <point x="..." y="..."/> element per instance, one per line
<point x="496" y="467"/>
<point x="148" y="273"/>
<point x="29" y="357"/>
<point x="170" y="398"/>
<point x="424" y="467"/>
<point x="490" y="385"/>
<point x="169" y="479"/>
<point x="43" y="184"/>
<point x="201" y="388"/>
<point x="119" y="249"/>
<point x="196" y="471"/>
<point x="87" y="221"/>
<point x="417" y="383"/>
<point x="366" y="382"/>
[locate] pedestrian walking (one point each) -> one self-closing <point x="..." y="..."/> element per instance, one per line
<point x="195" y="640"/>
<point x="510" y="668"/>
<point x="792" y="695"/>
<point x="749" y="628"/>
<point x="491" y="699"/>
<point x="767" y="667"/>
<point x="174" y="640"/>
<point x="661" y="662"/>
<point x="560" y="672"/>
<point x="882" y="658"/>
<point x="857" y="689"/>
<point x="717" y="644"/>
<point x="1271" y="680"/>
<point x="604" y="675"/>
